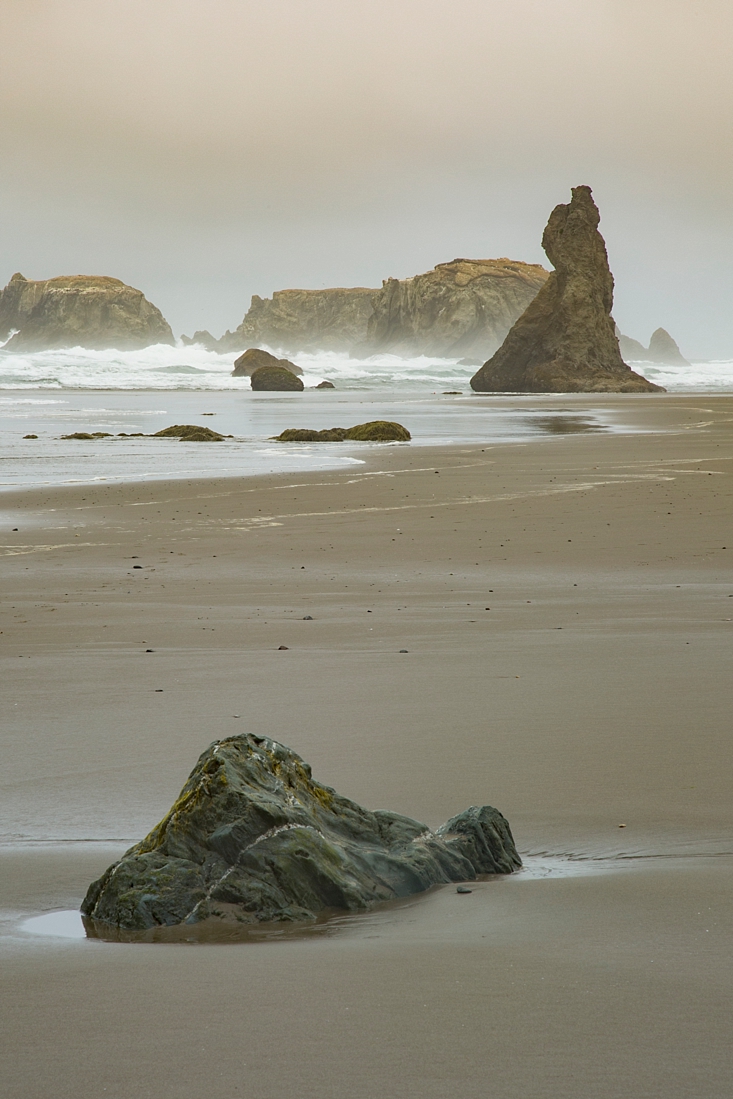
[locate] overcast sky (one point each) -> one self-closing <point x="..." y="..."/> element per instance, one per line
<point x="206" y="150"/>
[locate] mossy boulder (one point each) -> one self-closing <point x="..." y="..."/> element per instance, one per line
<point x="189" y="433"/>
<point x="275" y="379"/>
<point x="254" y="838"/>
<point x="86" y="435"/>
<point x="377" y="431"/>
<point x="254" y="358"/>
<point x="306" y="435"/>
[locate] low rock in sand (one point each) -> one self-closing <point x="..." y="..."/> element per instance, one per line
<point x="254" y="838"/>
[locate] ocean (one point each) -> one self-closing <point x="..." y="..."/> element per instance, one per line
<point x="55" y="393"/>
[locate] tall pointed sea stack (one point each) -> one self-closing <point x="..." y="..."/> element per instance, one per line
<point x="565" y="341"/>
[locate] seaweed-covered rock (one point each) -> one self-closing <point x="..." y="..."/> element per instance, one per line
<point x="189" y="433"/>
<point x="83" y="435"/>
<point x="308" y="435"/>
<point x="254" y="838"/>
<point x="254" y="357"/>
<point x="379" y="431"/>
<point x="565" y="341"/>
<point x="376" y="431"/>
<point x="273" y="379"/>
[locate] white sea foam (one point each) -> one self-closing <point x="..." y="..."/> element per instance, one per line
<point x="193" y="368"/>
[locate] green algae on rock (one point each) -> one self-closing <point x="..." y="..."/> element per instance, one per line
<point x="376" y="431"/>
<point x="274" y="379"/>
<point x="253" y="838"/>
<point x="84" y="435"/>
<point x="189" y="433"/>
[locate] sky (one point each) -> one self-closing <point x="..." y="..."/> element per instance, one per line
<point x="208" y="150"/>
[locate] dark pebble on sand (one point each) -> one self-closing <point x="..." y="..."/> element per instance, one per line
<point x="463" y="889"/>
<point x="307" y="617"/>
<point x="403" y="650"/>
<point x="281" y="647"/>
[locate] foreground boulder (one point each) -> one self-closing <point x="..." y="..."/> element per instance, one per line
<point x="461" y="308"/>
<point x="254" y="357"/>
<point x="254" y="838"/>
<point x="273" y="379"/>
<point x="79" y="311"/>
<point x="565" y="341"/>
<point x="376" y="431"/>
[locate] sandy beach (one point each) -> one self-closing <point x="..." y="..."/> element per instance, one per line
<point x="566" y="604"/>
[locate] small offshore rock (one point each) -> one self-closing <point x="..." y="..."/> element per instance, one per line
<point x="190" y="433"/>
<point x="376" y="431"/>
<point x="30" y="436"/>
<point x="324" y="385"/>
<point x="275" y="379"/>
<point x="86" y="435"/>
<point x="253" y="838"/>
<point x="254" y="358"/>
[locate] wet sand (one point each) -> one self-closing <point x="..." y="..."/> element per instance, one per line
<point x="595" y="692"/>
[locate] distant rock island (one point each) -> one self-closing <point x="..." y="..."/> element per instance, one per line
<point x="254" y="838"/>
<point x="565" y="341"/>
<point x="462" y="308"/>
<point x="304" y="320"/>
<point x="91" y="311"/>
<point x="662" y="349"/>
<point x="459" y="309"/>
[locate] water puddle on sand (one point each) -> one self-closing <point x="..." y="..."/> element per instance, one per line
<point x="66" y="924"/>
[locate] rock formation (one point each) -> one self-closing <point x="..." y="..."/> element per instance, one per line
<point x="565" y="341"/>
<point x="376" y="431"/>
<point x="254" y="358"/>
<point x="462" y="308"/>
<point x="189" y="433"/>
<point x="254" y="838"/>
<point x="79" y="311"/>
<point x="201" y="338"/>
<point x="305" y="320"/>
<point x="272" y="379"/>
<point x="662" y="349"/>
